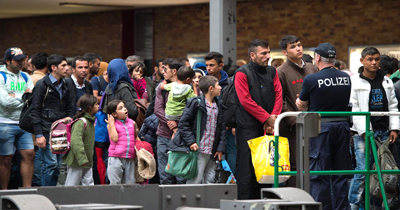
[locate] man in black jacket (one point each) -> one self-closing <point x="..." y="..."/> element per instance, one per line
<point x="51" y="102"/>
<point x="77" y="84"/>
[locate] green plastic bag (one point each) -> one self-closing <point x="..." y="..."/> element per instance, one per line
<point x="184" y="164"/>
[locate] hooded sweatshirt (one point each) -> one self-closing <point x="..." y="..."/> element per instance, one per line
<point x="10" y="107"/>
<point x="177" y="98"/>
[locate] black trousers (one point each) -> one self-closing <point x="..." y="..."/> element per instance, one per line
<point x="248" y="187"/>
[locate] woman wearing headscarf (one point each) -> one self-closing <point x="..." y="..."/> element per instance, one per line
<point x="120" y="87"/>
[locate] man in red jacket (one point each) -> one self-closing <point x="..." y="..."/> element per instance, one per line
<point x="259" y="93"/>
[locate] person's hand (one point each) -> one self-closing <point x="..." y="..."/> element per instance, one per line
<point x="67" y="120"/>
<point x="393" y="136"/>
<point x="233" y="131"/>
<point x="110" y="120"/>
<point x="41" y="142"/>
<point x="270" y="121"/>
<point x="28" y="91"/>
<point x="12" y="95"/>
<point x="172" y="124"/>
<point x="194" y="147"/>
<point x="218" y="155"/>
<point x="269" y="130"/>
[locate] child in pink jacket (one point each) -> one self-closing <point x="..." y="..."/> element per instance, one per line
<point x="121" y="153"/>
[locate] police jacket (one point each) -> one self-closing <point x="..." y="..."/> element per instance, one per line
<point x="186" y="134"/>
<point x="360" y="92"/>
<point x="44" y="113"/>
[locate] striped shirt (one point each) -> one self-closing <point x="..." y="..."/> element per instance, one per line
<point x="207" y="140"/>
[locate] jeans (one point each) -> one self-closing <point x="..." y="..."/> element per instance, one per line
<point x="37" y="171"/>
<point x="162" y="159"/>
<point x="205" y="170"/>
<point x="357" y="184"/>
<point x="231" y="150"/>
<point x="51" y="164"/>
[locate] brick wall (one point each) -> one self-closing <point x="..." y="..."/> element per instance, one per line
<point x="181" y="30"/>
<point x="184" y="29"/>
<point x="68" y="35"/>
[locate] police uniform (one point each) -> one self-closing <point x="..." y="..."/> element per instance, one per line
<point x="329" y="90"/>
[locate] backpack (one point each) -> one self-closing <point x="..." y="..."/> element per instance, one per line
<point x="60" y="135"/>
<point x="229" y="100"/>
<point x="141" y="105"/>
<point x="22" y="74"/>
<point x="25" y="118"/>
<point x="386" y="162"/>
<point x="102" y="82"/>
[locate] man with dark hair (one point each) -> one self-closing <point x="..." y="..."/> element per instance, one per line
<point x="51" y="101"/>
<point x="164" y="131"/>
<point x="94" y="65"/>
<point x="13" y="84"/>
<point x="77" y="83"/>
<point x="307" y="58"/>
<point x="185" y="61"/>
<point x="329" y="91"/>
<point x="158" y="71"/>
<point x="259" y="102"/>
<point x="40" y="63"/>
<point x="291" y="76"/>
<point x="371" y="91"/>
<point x="386" y="65"/>
<point x="214" y="65"/>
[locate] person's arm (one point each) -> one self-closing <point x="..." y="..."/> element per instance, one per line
<point x="37" y="99"/>
<point x="278" y="96"/>
<point x="394" y="125"/>
<point x="186" y="122"/>
<point x="112" y="132"/>
<point x="243" y="93"/>
<point x="77" y="146"/>
<point x="165" y="86"/>
<point x="304" y="97"/>
<point x="159" y="105"/>
<point x="358" y="121"/>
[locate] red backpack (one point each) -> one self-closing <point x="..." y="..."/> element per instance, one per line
<point x="60" y="136"/>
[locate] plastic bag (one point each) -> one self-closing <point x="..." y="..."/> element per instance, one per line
<point x="262" y="156"/>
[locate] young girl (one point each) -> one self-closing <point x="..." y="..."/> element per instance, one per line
<point x="80" y="158"/>
<point x="121" y="153"/>
<point x="137" y="71"/>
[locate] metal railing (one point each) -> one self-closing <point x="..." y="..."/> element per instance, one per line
<point x="368" y="143"/>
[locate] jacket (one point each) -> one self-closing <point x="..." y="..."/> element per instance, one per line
<point x="188" y="124"/>
<point x="150" y="88"/>
<point x="54" y="108"/>
<point x="10" y="107"/>
<point x="159" y="110"/>
<point x="71" y="86"/>
<point x="360" y="90"/>
<point x="125" y="146"/>
<point x="125" y="92"/>
<point x="291" y="77"/>
<point x="149" y="129"/>
<point x="82" y="144"/>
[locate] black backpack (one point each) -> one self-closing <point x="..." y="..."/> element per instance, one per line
<point x="25" y="119"/>
<point x="229" y="100"/>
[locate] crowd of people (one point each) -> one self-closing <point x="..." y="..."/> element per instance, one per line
<point x="115" y="107"/>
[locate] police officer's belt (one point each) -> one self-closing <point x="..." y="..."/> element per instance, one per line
<point x="333" y="119"/>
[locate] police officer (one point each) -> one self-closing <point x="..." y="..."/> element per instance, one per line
<point x="328" y="90"/>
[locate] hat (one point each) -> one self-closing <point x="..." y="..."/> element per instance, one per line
<point x="14" y="53"/>
<point x="200" y="71"/>
<point x="198" y="64"/>
<point x="146" y="164"/>
<point x="326" y="50"/>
